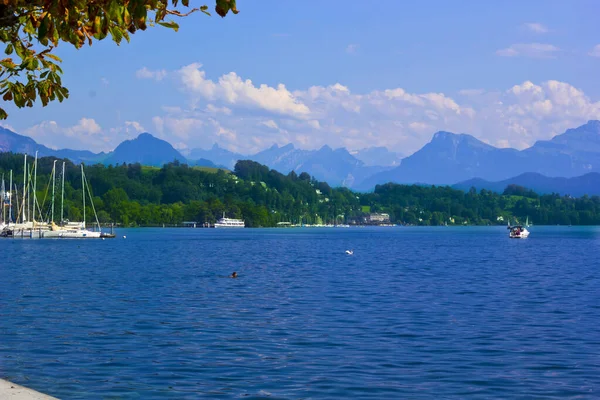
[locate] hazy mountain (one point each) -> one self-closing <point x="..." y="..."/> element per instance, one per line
<point x="283" y="159"/>
<point x="448" y="158"/>
<point x="145" y="149"/>
<point x="217" y="155"/>
<point x="578" y="186"/>
<point x="337" y="167"/>
<point x="451" y="158"/>
<point x="378" y="156"/>
<point x="11" y="141"/>
<point x="573" y="153"/>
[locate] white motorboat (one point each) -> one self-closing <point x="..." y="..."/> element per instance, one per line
<point x="518" y="231"/>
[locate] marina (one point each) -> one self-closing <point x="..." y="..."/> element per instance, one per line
<point x="28" y="218"/>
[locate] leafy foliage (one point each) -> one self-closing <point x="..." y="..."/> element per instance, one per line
<point x="137" y="195"/>
<point x="31" y="29"/>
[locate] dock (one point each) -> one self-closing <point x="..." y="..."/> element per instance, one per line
<point x="12" y="391"/>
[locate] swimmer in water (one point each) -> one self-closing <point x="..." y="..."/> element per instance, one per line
<point x="233" y="275"/>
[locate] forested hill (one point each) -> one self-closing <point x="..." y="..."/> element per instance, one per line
<point x="138" y="195"/>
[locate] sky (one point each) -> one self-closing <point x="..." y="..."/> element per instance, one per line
<point x="347" y="73"/>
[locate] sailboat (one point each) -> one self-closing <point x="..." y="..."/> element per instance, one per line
<point x="27" y="227"/>
<point x="77" y="230"/>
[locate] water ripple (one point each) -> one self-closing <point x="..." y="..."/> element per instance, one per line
<point x="414" y="313"/>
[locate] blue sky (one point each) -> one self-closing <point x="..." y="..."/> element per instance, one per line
<point x="355" y="74"/>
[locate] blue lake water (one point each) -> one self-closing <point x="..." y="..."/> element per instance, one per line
<point x="414" y="313"/>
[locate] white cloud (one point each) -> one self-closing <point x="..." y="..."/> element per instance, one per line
<point x="352" y="48"/>
<point x="145" y="73"/>
<point x="531" y="50"/>
<point x="595" y="52"/>
<point x="536" y="27"/>
<point x="231" y="89"/>
<point x="245" y="117"/>
<point x="134" y="126"/>
<point x="210" y="108"/>
<point x="404" y="121"/>
<point x="270" y="124"/>
<point x="314" y="124"/>
<point x="7" y="126"/>
<point x="419" y="126"/>
<point x="181" y="128"/>
<point x="86" y="134"/>
<point x="85" y="126"/>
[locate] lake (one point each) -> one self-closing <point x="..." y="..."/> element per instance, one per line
<point x="448" y="312"/>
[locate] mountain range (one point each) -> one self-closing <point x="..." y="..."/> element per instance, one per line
<point x="447" y="159"/>
<point x="450" y="158"/>
<point x="337" y="167"/>
<point x="577" y="186"/>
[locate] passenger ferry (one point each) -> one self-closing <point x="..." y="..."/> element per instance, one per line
<point x="229" y="223"/>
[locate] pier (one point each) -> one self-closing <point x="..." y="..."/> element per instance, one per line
<point x="12" y="391"/>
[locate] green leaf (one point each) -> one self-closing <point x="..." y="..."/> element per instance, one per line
<point x="224" y="6"/>
<point x="43" y="28"/>
<point x="170" y="24"/>
<point x="9" y="49"/>
<point x="97" y="25"/>
<point x="3" y="114"/>
<point x="20" y="50"/>
<point x="54" y="57"/>
<point x="185" y="2"/>
<point x="126" y="17"/>
<point x="117" y="34"/>
<point x="8" y="63"/>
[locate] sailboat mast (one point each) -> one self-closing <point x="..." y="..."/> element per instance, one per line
<point x="28" y="192"/>
<point x="10" y="198"/>
<point x="53" y="185"/>
<point x="17" y="201"/>
<point x="24" y="183"/>
<point x="62" y="196"/>
<point x="83" y="193"/>
<point x="34" y="186"/>
<point x="3" y="201"/>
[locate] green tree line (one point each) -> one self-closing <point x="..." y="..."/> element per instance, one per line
<point x="138" y="195"/>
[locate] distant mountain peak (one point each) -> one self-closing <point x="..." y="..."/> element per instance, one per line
<point x="145" y="149"/>
<point x="146" y="136"/>
<point x="441" y="135"/>
<point x="584" y="138"/>
<point x="443" y="138"/>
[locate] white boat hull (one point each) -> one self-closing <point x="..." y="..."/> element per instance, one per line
<point x="522" y="235"/>
<point x="72" y="234"/>
<point x="217" y="225"/>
